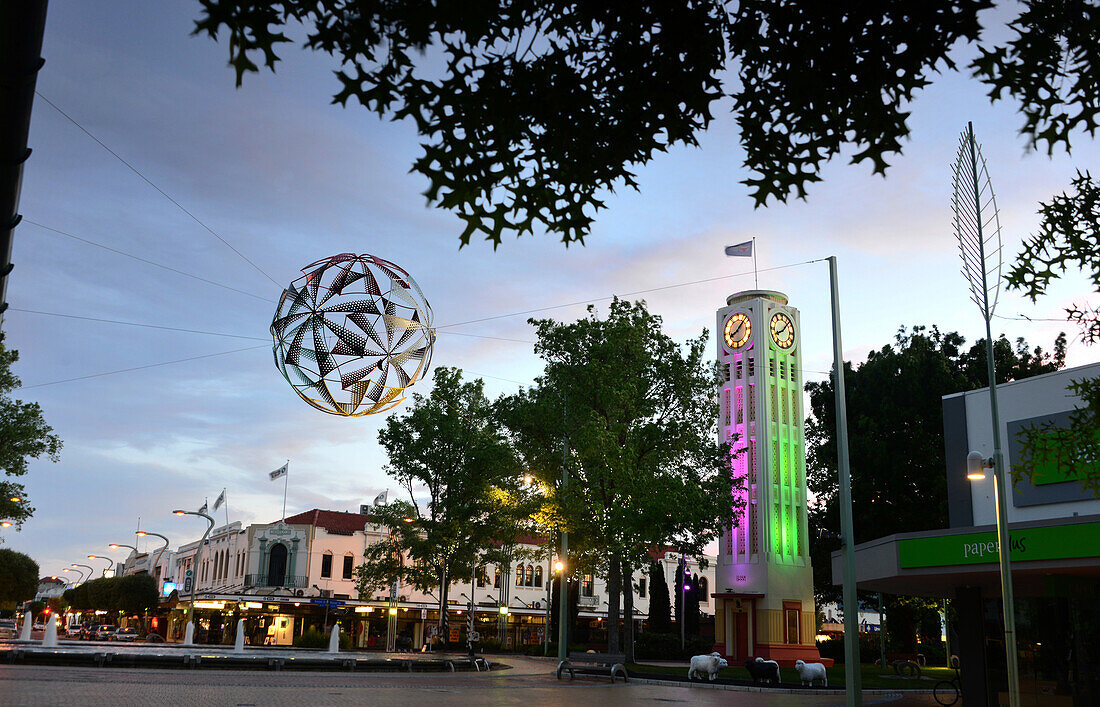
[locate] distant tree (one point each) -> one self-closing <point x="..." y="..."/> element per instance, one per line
<point x="24" y="435"/>
<point x="464" y="486"/>
<point x="659" y="607"/>
<point x="692" y="599"/>
<point x="137" y="593"/>
<point x="572" y="602"/>
<point x="531" y="111"/>
<point x="18" y="578"/>
<point x="1068" y="238"/>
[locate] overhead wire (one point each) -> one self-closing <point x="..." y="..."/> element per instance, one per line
<point x="163" y="193"/>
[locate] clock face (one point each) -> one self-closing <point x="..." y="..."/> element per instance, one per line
<point x="737" y="330"/>
<point x="782" y="331"/>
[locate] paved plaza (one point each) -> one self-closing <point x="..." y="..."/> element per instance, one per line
<point x="528" y="682"/>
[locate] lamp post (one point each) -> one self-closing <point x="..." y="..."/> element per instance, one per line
<point x="115" y="546"/>
<point x="91" y="571"/>
<point x="70" y="569"/>
<point x="156" y="561"/>
<point x="110" y="562"/>
<point x="198" y="556"/>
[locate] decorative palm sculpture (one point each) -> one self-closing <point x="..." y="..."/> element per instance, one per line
<point x="352" y="334"/>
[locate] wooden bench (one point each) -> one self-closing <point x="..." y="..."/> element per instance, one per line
<point x="594" y="663"/>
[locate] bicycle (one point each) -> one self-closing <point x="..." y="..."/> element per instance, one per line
<point x="947" y="692"/>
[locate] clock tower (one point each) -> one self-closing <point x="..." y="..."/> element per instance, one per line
<point x="763" y="588"/>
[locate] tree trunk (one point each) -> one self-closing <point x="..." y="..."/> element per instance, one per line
<point x="614" y="584"/>
<point x="628" y="610"/>
<point x="444" y="633"/>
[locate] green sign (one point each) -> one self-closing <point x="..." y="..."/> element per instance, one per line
<point x="1055" y="542"/>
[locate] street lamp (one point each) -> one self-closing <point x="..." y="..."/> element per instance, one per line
<point x="198" y="556"/>
<point x="110" y="562"/>
<point x="156" y="561"/>
<point x="69" y="569"/>
<point x="91" y="571"/>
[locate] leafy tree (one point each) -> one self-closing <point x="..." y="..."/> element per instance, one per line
<point x="896" y="447"/>
<point x="137" y="593"/>
<point x="639" y="414"/>
<point x="1069" y="237"/>
<point x="464" y="486"/>
<point x="24" y="435"/>
<point x="18" y="578"/>
<point x="532" y="110"/>
<point x="658" y="600"/>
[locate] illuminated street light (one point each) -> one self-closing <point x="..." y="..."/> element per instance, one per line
<point x="156" y="560"/>
<point x="110" y="562"/>
<point x="198" y="558"/>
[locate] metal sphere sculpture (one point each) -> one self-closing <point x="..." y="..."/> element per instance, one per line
<point x="352" y="334"/>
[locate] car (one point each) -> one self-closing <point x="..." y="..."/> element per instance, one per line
<point x="87" y="631"/>
<point x="39" y="626"/>
<point x="103" y="632"/>
<point x="8" y="629"/>
<point x="128" y="634"/>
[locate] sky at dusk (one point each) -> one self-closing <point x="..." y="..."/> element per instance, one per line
<point x="287" y="179"/>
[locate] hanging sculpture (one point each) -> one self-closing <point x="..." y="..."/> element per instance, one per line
<point x="352" y="334"/>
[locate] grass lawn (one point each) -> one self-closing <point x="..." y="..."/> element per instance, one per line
<point x="872" y="675"/>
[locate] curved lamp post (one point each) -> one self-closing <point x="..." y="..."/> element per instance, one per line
<point x="91" y="571"/>
<point x="156" y="562"/>
<point x="198" y="556"/>
<point x="115" y="546"/>
<point x="110" y="562"/>
<point x="70" y="569"/>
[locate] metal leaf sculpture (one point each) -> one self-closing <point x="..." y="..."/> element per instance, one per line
<point x="352" y="334"/>
<point x="977" y="224"/>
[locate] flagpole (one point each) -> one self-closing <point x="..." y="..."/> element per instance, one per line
<point x="226" y="504"/>
<point x="755" y="276"/>
<point x="286" y="478"/>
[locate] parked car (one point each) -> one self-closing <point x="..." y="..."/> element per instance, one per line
<point x="103" y="632"/>
<point x="128" y="634"/>
<point x="8" y="629"/>
<point x="87" y="631"/>
<point x="39" y="626"/>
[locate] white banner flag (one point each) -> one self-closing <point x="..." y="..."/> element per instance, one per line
<point x="203" y="508"/>
<point x="281" y="471"/>
<point x="220" y="500"/>
<point x="741" y="249"/>
<point x="380" y="499"/>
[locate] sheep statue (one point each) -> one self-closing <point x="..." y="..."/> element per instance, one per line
<point x="706" y="664"/>
<point x="760" y="670"/>
<point x="808" y="672"/>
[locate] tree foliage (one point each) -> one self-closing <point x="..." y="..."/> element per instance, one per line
<point x="1068" y="239"/>
<point x="531" y="111"/>
<point x="131" y="594"/>
<point x="18" y="578"/>
<point x="638" y="412"/>
<point x="895" y="422"/>
<point x="24" y="435"/>
<point x="464" y="486"/>
<point x="659" y="605"/>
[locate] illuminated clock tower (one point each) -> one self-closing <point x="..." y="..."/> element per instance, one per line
<point x="763" y="588"/>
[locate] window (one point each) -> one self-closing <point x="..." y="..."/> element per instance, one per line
<point x="348" y="560"/>
<point x="641" y="587"/>
<point x="538" y="576"/>
<point x="326" y="565"/>
<point x="496" y="577"/>
<point x="704" y="595"/>
<point x="481" y="576"/>
<point x="530" y="579"/>
<point x="519" y="575"/>
<point x="586" y="586"/>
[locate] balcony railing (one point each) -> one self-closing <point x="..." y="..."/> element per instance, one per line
<point x="263" y="580"/>
<point x="588" y="601"/>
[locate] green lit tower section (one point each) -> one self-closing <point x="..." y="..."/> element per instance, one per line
<point x="764" y="583"/>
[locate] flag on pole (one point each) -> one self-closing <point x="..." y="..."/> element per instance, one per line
<point x="380" y="499"/>
<point x="203" y="508"/>
<point x="220" y="500"/>
<point x="741" y="249"/>
<point x="281" y="471"/>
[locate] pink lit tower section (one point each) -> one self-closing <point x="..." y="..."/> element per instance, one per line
<point x="763" y="588"/>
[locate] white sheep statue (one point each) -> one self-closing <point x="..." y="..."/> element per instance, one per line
<point x="808" y="672"/>
<point x="706" y="664"/>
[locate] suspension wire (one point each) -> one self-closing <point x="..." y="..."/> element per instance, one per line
<point x="138" y="368"/>
<point x="163" y="193"/>
<point x="143" y="260"/>
<point x="624" y="294"/>
<point x="139" y="324"/>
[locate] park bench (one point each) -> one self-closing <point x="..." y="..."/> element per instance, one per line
<point x="594" y="664"/>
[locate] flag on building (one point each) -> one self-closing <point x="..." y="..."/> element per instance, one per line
<point x="380" y="499"/>
<point x="203" y="508"/>
<point x="220" y="500"/>
<point x="281" y="471"/>
<point x="741" y="249"/>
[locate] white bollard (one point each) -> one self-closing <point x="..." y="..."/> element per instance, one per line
<point x="238" y="645"/>
<point x="50" y="639"/>
<point x="334" y="639"/>
<point x="28" y="622"/>
<point x="189" y="634"/>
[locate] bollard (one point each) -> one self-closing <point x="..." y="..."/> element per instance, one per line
<point x="334" y="639"/>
